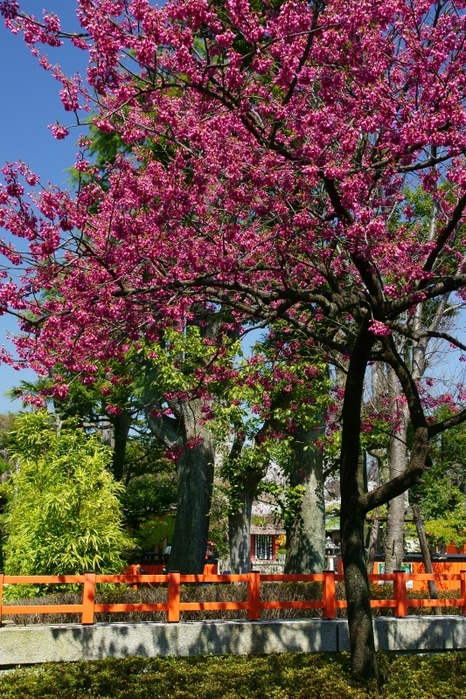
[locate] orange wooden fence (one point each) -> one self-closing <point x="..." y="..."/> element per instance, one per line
<point x="441" y="569"/>
<point x="254" y="604"/>
<point x="160" y="569"/>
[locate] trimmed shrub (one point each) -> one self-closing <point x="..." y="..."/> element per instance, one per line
<point x="284" y="676"/>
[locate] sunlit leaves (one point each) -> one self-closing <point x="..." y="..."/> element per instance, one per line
<point x="63" y="514"/>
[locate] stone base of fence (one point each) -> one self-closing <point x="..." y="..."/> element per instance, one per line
<point x="21" y="645"/>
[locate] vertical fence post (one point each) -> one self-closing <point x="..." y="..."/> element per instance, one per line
<point x="463" y="591"/>
<point x="173" y="613"/>
<point x="329" y="595"/>
<point x="1" y="595"/>
<point x="399" y="592"/>
<point x="87" y="616"/>
<point x="254" y="595"/>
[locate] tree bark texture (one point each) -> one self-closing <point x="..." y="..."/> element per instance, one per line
<point x="195" y="481"/>
<point x="398" y="456"/>
<point x="239" y="524"/>
<point x="363" y="658"/>
<point x="184" y="430"/>
<point x="305" y="536"/>
<point x="372" y="544"/>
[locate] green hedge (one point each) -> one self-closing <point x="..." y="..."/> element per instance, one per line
<point x="286" y="676"/>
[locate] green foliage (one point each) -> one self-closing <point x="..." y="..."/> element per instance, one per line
<point x="63" y="514"/>
<point x="103" y="151"/>
<point x="281" y="386"/>
<point x="444" y="514"/>
<point x="332" y="516"/>
<point x="151" y="488"/>
<point x="147" y="495"/>
<point x="86" y="400"/>
<point x="154" y="531"/>
<point x="441" y="495"/>
<point x="218" y="522"/>
<point x="441" y="676"/>
<point x="6" y="425"/>
<point x="181" y="359"/>
<point x="296" y="675"/>
<point x="275" y="676"/>
<point x="151" y="483"/>
<point x="287" y="499"/>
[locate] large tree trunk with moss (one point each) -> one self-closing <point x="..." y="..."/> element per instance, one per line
<point x="195" y="470"/>
<point x="305" y="534"/>
<point x="239" y="523"/>
<point x="186" y="433"/>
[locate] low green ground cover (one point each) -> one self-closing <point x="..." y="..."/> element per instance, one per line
<point x="285" y="676"/>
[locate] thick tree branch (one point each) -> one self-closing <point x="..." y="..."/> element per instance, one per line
<point x="400" y="484"/>
<point x="444" y="425"/>
<point x="444" y="235"/>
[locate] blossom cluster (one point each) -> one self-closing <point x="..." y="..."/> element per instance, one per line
<point x="264" y="160"/>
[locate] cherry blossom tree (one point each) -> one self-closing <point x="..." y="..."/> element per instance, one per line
<point x="271" y="144"/>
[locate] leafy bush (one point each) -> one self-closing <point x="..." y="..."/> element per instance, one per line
<point x="63" y="515"/>
<point x="296" y="675"/>
<point x="275" y="677"/>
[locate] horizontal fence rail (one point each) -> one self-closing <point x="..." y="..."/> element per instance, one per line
<point x="254" y="605"/>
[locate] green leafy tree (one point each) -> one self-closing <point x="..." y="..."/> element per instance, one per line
<point x="63" y="515"/>
<point x="114" y="412"/>
<point x="441" y="495"/>
<point x="150" y="490"/>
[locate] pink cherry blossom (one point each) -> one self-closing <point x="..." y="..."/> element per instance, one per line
<point x="59" y="132"/>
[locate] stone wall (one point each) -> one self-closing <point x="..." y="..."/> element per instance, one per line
<point x="71" y="642"/>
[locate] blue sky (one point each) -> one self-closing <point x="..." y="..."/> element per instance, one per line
<point x="29" y="102"/>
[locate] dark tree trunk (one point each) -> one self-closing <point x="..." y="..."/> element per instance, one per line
<point x="305" y="536"/>
<point x="239" y="524"/>
<point x="121" y="425"/>
<point x="185" y="431"/>
<point x="114" y="434"/>
<point x="355" y="504"/>
<point x="363" y="658"/>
